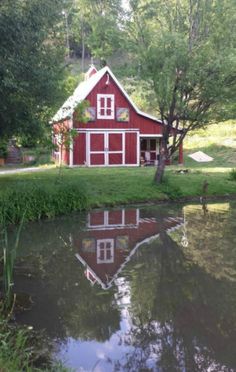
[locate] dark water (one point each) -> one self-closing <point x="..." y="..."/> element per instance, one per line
<point x="135" y="289"/>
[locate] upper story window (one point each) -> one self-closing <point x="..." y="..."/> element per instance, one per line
<point x="105" y="106"/>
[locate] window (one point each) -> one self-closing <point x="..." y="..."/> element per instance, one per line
<point x="105" y="251"/>
<point x="105" y="106"/>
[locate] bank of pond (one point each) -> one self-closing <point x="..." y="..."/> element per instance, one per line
<point x="48" y="194"/>
<point x="127" y="289"/>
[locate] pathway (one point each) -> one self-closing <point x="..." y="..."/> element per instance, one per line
<point x="25" y="170"/>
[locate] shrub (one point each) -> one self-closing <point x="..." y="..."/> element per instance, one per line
<point x="232" y="175"/>
<point x="22" y="349"/>
<point x="38" y="202"/>
<point x="170" y="189"/>
<point x="3" y="149"/>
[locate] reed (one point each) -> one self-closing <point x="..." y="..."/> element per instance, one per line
<point x="8" y="261"/>
<point x="232" y="175"/>
<point x="22" y="349"/>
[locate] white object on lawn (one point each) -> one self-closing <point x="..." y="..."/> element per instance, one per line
<point x="200" y="157"/>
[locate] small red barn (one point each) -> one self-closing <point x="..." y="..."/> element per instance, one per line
<point x="117" y="132"/>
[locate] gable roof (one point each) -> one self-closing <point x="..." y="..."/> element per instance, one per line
<point x="83" y="90"/>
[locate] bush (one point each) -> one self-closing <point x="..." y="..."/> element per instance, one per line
<point x="25" y="350"/>
<point x="232" y="175"/>
<point x="40" y="202"/>
<point x="3" y="149"/>
<point x="170" y="189"/>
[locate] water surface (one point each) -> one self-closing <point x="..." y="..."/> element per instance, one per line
<point x="136" y="289"/>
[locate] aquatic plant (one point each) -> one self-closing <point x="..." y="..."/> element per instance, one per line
<point x="232" y="175"/>
<point x="23" y="349"/>
<point x="8" y="260"/>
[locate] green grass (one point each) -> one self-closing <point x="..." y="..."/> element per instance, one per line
<point x="80" y="188"/>
<point x="42" y="196"/>
<point x="22" y="349"/>
<point x="217" y="140"/>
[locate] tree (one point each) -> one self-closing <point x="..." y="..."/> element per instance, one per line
<point x="96" y="26"/>
<point x="186" y="49"/>
<point x="31" y="56"/>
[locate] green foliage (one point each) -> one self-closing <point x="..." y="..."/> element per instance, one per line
<point x="13" y="354"/>
<point x="8" y="260"/>
<point x="232" y="175"/>
<point x="22" y="349"/>
<point x="38" y="201"/>
<point x="3" y="149"/>
<point x="186" y="51"/>
<point x="95" y="27"/>
<point x="170" y="189"/>
<point x="31" y="55"/>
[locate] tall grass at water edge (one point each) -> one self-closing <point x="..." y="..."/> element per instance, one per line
<point x="40" y="201"/>
<point x="22" y="349"/>
<point x="8" y="261"/>
<point x="232" y="175"/>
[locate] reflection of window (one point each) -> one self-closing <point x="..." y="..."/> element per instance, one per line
<point x="122" y="242"/>
<point x="105" y="106"/>
<point x="88" y="245"/>
<point x="105" y="251"/>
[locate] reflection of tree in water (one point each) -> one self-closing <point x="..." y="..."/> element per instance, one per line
<point x="64" y="301"/>
<point x="212" y="239"/>
<point x="182" y="317"/>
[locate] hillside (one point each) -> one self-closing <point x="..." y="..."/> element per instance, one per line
<point x="217" y="140"/>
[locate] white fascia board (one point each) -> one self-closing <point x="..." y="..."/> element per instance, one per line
<point x="130" y="100"/>
<point x="83" y="90"/>
<point x="150" y="135"/>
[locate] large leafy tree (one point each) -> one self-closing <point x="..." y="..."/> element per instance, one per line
<point x="31" y="55"/>
<point x="96" y="27"/>
<point x="187" y="50"/>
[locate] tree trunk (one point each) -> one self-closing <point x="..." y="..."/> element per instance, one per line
<point x="160" y="168"/>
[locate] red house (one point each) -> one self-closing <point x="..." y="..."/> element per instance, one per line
<point x="111" y="239"/>
<point x="117" y="132"/>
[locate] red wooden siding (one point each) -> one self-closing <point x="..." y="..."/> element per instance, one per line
<point x="115" y="159"/>
<point x="145" y="125"/>
<point x="97" y="159"/>
<point x="115" y="142"/>
<point x="96" y="142"/>
<point x="130" y="148"/>
<point x="79" y="156"/>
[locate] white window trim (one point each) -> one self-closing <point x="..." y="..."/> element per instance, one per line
<point x="105" y="108"/>
<point x="111" y="249"/>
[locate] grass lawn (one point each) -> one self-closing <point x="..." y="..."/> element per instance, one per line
<point x="113" y="186"/>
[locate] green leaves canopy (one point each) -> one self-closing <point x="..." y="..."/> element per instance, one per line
<point x="30" y="57"/>
<point x="187" y="50"/>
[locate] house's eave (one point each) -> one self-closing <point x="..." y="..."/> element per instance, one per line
<point x="83" y="90"/>
<point x="130" y="100"/>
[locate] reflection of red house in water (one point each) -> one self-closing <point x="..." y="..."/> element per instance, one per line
<point x="112" y="237"/>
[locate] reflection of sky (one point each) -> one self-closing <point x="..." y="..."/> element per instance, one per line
<point x="98" y="356"/>
<point x="92" y="355"/>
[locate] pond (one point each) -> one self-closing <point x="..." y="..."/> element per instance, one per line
<point x="134" y="289"/>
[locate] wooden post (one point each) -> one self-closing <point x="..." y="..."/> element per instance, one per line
<point x="181" y="155"/>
